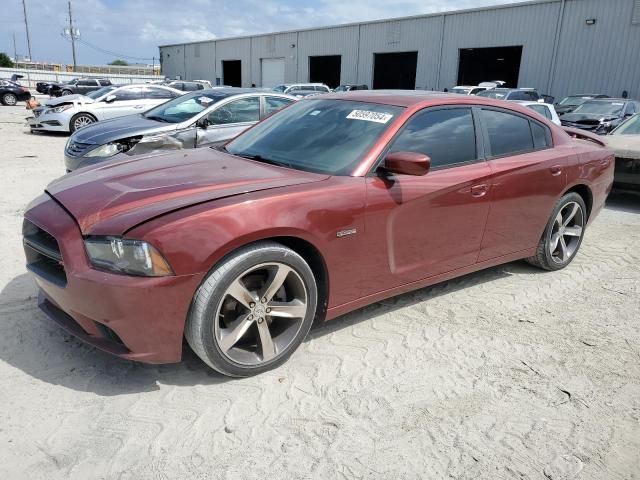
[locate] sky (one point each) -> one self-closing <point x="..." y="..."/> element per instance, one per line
<point x="132" y="29"/>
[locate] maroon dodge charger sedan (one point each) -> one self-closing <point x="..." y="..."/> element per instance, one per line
<point x="331" y="204"/>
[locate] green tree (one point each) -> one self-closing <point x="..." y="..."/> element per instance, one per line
<point x="5" y="61"/>
<point x="119" y="63"/>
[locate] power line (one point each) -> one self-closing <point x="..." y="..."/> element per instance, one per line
<point x="110" y="52"/>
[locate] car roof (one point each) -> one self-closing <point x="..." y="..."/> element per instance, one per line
<point x="400" y="98"/>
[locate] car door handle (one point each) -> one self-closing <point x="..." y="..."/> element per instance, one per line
<point x="556" y="170"/>
<point x="479" y="190"/>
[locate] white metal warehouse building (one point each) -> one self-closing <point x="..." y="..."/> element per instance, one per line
<point x="557" y="46"/>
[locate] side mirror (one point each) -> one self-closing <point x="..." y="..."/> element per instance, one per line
<point x="407" y="163"/>
<point x="110" y="98"/>
<point x="203" y="123"/>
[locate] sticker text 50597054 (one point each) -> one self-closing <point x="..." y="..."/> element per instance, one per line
<point x="370" y="116"/>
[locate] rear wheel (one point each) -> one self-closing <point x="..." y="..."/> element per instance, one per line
<point x="253" y="310"/>
<point x="80" y="120"/>
<point x="9" y="99"/>
<point x="563" y="235"/>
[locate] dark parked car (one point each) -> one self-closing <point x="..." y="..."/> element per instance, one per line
<point x="205" y="117"/>
<point x="12" y="93"/>
<point x="601" y="115"/>
<point x="81" y="86"/>
<point x="570" y="103"/>
<point x="320" y="209"/>
<point x="43" y="87"/>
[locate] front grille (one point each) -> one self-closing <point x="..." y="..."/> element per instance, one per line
<point x="77" y="149"/>
<point x="43" y="254"/>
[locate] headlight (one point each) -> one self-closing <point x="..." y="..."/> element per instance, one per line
<point x="107" y="150"/>
<point x="59" y="109"/>
<point x="121" y="255"/>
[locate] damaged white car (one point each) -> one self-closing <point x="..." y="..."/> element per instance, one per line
<point x="204" y="117"/>
<point x="71" y="112"/>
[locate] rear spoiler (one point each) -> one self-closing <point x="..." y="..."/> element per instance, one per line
<point x="582" y="135"/>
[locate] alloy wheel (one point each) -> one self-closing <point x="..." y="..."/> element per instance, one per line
<point x="65" y="92"/>
<point x="260" y="314"/>
<point x="10" y="99"/>
<point x="566" y="233"/>
<point x="82" y="121"/>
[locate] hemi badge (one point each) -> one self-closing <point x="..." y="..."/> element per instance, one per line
<point x="344" y="233"/>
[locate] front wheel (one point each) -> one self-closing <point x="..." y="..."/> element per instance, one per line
<point x="253" y="311"/>
<point x="9" y="99"/>
<point x="65" y="92"/>
<point x="80" y="120"/>
<point x="563" y="234"/>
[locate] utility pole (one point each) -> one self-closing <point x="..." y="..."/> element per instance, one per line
<point x="15" y="50"/>
<point x="26" y="26"/>
<point x="73" y="40"/>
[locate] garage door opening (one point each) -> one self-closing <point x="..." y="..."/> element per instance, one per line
<point x="272" y="72"/>
<point x="325" y="69"/>
<point x="487" y="64"/>
<point x="232" y="73"/>
<point x="395" y="70"/>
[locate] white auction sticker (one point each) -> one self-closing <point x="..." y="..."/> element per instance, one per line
<point x="370" y="116"/>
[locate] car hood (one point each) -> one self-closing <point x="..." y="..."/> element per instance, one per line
<point x="115" y="197"/>
<point x="75" y="99"/>
<point x="587" y="117"/>
<point x="122" y="127"/>
<point x="624" y="146"/>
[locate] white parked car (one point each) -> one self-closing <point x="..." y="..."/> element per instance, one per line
<point x="292" y="88"/>
<point x="545" y="109"/>
<point x="467" y="89"/>
<point x="71" y="112"/>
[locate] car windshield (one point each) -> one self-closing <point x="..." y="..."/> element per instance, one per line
<point x="73" y="80"/>
<point x="573" y="101"/>
<point x="630" y="127"/>
<point x="279" y="88"/>
<point x="100" y="92"/>
<point x="341" y="88"/>
<point x="460" y="90"/>
<point x="324" y="136"/>
<point x="494" y="93"/>
<point x="600" y="108"/>
<point x="184" y="107"/>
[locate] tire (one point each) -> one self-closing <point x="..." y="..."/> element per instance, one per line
<point x="65" y="92"/>
<point x="80" y="120"/>
<point x="563" y="234"/>
<point x="9" y="99"/>
<point x="240" y="335"/>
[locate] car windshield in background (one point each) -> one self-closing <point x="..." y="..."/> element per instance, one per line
<point x="573" y="101"/>
<point x="324" y="136"/>
<point x="461" y="91"/>
<point x="630" y="127"/>
<point x="100" y="92"/>
<point x="494" y="93"/>
<point x="600" y="108"/>
<point x="184" y="107"/>
<point x="279" y="88"/>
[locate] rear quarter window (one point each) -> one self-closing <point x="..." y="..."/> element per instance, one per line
<point x="508" y="134"/>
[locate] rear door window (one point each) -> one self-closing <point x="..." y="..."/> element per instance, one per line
<point x="273" y="104"/>
<point x="156" y="93"/>
<point x="242" y="110"/>
<point x="508" y="134"/>
<point x="447" y="136"/>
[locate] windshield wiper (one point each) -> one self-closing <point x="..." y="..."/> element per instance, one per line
<point x="159" y="119"/>
<point x="260" y="158"/>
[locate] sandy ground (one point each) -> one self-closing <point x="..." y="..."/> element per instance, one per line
<point x="507" y="373"/>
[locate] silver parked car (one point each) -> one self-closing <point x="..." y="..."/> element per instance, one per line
<point x="206" y="117"/>
<point x="71" y="112"/>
